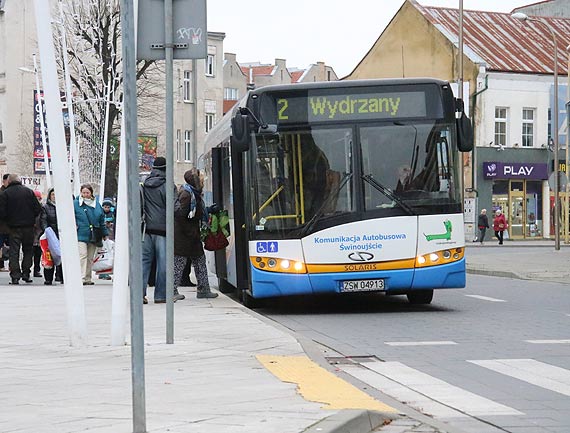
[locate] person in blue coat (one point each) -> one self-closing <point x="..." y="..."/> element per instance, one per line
<point x="90" y="221"/>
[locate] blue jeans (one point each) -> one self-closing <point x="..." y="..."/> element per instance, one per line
<point x="154" y="248"/>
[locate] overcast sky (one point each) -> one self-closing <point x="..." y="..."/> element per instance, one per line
<point x="337" y="32"/>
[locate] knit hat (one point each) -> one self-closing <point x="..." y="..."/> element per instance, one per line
<point x="37" y="193"/>
<point x="107" y="201"/>
<point x="159" y="163"/>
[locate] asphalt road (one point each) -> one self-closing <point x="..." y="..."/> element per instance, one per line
<point x="493" y="357"/>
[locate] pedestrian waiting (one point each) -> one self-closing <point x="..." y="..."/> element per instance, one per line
<point x="19" y="208"/>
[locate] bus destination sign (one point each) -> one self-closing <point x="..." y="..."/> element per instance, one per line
<point x="358" y="106"/>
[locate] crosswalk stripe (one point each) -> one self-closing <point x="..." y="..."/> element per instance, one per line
<point x="420" y="343"/>
<point x="548" y="341"/>
<point x="486" y="298"/>
<point x="420" y="390"/>
<point x="532" y="371"/>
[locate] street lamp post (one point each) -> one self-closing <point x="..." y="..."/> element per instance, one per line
<point x="523" y="17"/>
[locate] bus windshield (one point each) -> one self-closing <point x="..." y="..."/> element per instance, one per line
<point x="303" y="177"/>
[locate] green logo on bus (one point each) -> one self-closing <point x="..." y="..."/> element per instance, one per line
<point x="445" y="236"/>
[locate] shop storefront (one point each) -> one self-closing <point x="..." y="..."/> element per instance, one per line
<point x="518" y="189"/>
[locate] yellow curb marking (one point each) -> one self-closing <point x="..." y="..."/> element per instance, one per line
<point x="316" y="384"/>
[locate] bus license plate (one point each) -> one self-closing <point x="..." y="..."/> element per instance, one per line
<point x="362" y="285"/>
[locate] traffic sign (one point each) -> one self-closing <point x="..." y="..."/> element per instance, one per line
<point x="190" y="35"/>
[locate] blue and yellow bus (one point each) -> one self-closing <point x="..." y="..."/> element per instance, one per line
<point x="341" y="187"/>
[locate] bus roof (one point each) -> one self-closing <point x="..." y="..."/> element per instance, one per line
<point x="348" y="83"/>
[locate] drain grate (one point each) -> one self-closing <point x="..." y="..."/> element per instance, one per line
<point x="355" y="359"/>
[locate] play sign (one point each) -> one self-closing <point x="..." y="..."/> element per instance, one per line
<point x="515" y="170"/>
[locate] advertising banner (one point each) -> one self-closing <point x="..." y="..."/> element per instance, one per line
<point x="39" y="110"/>
<point x="515" y="170"/>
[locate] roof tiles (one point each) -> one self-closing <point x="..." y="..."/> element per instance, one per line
<point x="504" y="43"/>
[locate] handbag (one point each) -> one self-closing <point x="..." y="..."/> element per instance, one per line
<point x="215" y="241"/>
<point x="96" y="232"/>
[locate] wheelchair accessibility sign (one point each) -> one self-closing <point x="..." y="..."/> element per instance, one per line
<point x="267" y="247"/>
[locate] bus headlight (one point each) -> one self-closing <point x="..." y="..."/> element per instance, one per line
<point x="273" y="264"/>
<point x="439" y="258"/>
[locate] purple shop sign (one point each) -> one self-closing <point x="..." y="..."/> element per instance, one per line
<point x="515" y="170"/>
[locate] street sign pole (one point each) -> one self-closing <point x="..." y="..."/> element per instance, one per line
<point x="169" y="54"/>
<point x="135" y="241"/>
<point x="158" y="26"/>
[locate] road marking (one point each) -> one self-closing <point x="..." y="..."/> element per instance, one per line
<point x="486" y="298"/>
<point x="316" y="384"/>
<point x="548" y="341"/>
<point x="424" y="392"/>
<point x="419" y="343"/>
<point x="534" y="372"/>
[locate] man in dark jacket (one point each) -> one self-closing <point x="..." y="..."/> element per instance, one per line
<point x="154" y="237"/>
<point x="19" y="209"/>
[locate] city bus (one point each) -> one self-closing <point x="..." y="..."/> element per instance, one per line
<point x="341" y="187"/>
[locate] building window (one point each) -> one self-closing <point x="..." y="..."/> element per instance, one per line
<point x="528" y="127"/>
<point x="210" y="121"/>
<point x="187" y="86"/>
<point x="500" y="126"/>
<point x="187" y="145"/>
<point x="210" y="61"/>
<point x="231" y="94"/>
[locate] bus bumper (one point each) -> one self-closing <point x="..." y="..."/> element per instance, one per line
<point x="449" y="276"/>
<point x="272" y="284"/>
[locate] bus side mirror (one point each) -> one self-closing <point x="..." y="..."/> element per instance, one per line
<point x="464" y="134"/>
<point x="240" y="133"/>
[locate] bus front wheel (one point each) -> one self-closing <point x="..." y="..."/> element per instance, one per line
<point x="420" y="297"/>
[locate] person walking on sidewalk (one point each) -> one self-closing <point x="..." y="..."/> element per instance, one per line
<point x="189" y="210"/>
<point x="483" y="224"/>
<point x="19" y="207"/>
<point x="499" y="225"/>
<point x="153" y="202"/>
<point x="90" y="222"/>
<point x="49" y="219"/>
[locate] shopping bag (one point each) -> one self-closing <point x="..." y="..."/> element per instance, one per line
<point x="505" y="234"/>
<point x="47" y="261"/>
<point x="215" y="241"/>
<point x="104" y="257"/>
<point x="54" y="246"/>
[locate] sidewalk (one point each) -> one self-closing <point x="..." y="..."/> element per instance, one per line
<point x="526" y="260"/>
<point x="218" y="377"/>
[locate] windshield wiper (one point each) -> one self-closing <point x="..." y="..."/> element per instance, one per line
<point x="388" y="193"/>
<point x="319" y="213"/>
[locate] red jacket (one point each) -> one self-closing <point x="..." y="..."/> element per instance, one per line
<point x="500" y="223"/>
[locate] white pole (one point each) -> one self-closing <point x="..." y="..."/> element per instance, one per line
<point x="105" y="139"/>
<point x="40" y="106"/>
<point x="65" y="212"/>
<point x="69" y="100"/>
<point x="120" y="297"/>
